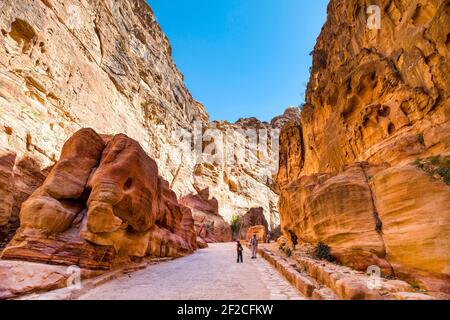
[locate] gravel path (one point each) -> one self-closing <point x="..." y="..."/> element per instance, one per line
<point x="210" y="273"/>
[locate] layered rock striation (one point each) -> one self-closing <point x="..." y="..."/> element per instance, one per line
<point x="253" y="218"/>
<point x="352" y="172"/>
<point x="100" y="64"/>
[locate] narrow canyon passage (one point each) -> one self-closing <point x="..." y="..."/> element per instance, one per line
<point x="211" y="273"/>
<point x="109" y="164"/>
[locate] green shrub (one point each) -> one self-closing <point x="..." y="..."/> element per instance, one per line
<point x="444" y="172"/>
<point x="436" y="165"/>
<point x="418" y="163"/>
<point x="323" y="252"/>
<point x="435" y="160"/>
<point x="415" y="285"/>
<point x="288" y="252"/>
<point x="421" y="139"/>
<point x="236" y="224"/>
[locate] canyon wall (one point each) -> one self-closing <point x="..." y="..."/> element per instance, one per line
<point x="253" y="218"/>
<point x="105" y="65"/>
<point x="100" y="64"/>
<point x="239" y="162"/>
<point x="366" y="168"/>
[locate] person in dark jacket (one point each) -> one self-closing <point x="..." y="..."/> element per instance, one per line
<point x="239" y="249"/>
<point x="254" y="244"/>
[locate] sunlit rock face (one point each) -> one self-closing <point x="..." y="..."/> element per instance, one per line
<point x="238" y="164"/>
<point x="100" y="64"/>
<point x="102" y="202"/>
<point x="252" y="218"/>
<point x="372" y="100"/>
<point x="377" y="101"/>
<point x="107" y="65"/>
<point x="18" y="179"/>
<point x="259" y="231"/>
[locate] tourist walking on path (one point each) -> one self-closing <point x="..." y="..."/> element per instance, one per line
<point x="254" y="244"/>
<point x="239" y="252"/>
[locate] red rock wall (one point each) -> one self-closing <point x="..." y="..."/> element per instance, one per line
<point x="108" y="65"/>
<point x="105" y="65"/>
<point x="364" y="168"/>
<point x="7" y="160"/>
<point x="19" y="178"/>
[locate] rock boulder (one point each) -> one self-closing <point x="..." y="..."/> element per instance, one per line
<point x="102" y="202"/>
<point x="209" y="224"/>
<point x="253" y="217"/>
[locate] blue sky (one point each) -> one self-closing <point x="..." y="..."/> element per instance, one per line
<point x="243" y="58"/>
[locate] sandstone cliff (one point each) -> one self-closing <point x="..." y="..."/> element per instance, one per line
<point x="365" y="169"/>
<point x="210" y="226"/>
<point x="107" y="65"/>
<point x="100" y="64"/>
<point x="253" y="218"/>
<point x="238" y="166"/>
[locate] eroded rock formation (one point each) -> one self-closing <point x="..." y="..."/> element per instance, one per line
<point x="7" y="160"/>
<point x="19" y="179"/>
<point x="259" y="231"/>
<point x="238" y="164"/>
<point x="209" y="224"/>
<point x="377" y="101"/>
<point x="107" y="65"/>
<point x="100" y="64"/>
<point x="252" y="218"/>
<point x="101" y="203"/>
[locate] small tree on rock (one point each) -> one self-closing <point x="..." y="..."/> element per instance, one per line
<point x="236" y="224"/>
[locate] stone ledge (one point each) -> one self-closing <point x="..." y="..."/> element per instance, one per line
<point x="54" y="288"/>
<point x="305" y="284"/>
<point x="320" y="280"/>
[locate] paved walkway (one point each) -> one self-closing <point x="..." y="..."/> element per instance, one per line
<point x="210" y="273"/>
